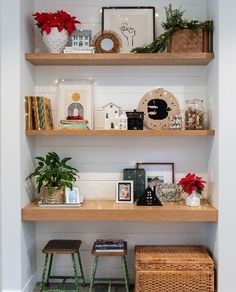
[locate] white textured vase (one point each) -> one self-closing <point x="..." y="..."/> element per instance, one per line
<point x="193" y="200"/>
<point x="56" y="40"/>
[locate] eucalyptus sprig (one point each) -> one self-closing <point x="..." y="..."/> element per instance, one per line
<point x="174" y="21"/>
<point x="53" y="172"/>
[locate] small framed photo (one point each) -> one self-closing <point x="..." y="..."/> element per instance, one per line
<point x="158" y="172"/>
<point x="134" y="25"/>
<point x="72" y="196"/>
<point x="124" y="192"/>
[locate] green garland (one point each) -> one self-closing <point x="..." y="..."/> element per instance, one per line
<point x="174" y="21"/>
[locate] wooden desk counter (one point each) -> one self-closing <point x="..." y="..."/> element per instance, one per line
<point x="108" y="210"/>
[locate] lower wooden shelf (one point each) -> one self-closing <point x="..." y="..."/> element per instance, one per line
<point x="108" y="210"/>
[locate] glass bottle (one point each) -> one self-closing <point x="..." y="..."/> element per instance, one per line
<point x="195" y="116"/>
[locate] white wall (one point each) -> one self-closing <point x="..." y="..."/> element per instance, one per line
<point x="10" y="146"/>
<point x="101" y="160"/>
<point x="227" y="146"/>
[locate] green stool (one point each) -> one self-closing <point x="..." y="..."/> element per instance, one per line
<point x="109" y="281"/>
<point x="62" y="247"/>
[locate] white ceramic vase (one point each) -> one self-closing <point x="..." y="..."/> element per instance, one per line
<point x="56" y="40"/>
<point x="193" y="200"/>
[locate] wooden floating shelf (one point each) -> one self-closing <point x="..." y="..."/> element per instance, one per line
<point x="148" y="133"/>
<point x="121" y="59"/>
<point x="107" y="210"/>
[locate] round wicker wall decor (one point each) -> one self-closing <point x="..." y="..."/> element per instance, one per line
<point x="158" y="106"/>
<point x="107" y="42"/>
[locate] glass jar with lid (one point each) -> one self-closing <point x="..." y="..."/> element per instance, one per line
<point x="195" y="116"/>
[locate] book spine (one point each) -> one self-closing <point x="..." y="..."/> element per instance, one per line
<point x="36" y="115"/>
<point x="28" y="113"/>
<point x="47" y="113"/>
<point x="40" y="113"/>
<point x="205" y="41"/>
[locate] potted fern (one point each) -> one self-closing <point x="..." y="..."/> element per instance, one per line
<point x="52" y="176"/>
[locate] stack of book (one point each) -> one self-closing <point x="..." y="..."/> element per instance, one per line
<point x="74" y="124"/>
<point x="38" y="113"/>
<point x="109" y="245"/>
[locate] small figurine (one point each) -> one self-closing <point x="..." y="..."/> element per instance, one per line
<point x="135" y="120"/>
<point x="111" y="115"/>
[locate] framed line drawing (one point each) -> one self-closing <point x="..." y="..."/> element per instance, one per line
<point x="124" y="192"/>
<point x="134" y="25"/>
<point x="158" y="172"/>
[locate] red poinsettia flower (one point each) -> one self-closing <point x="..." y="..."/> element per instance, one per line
<point x="191" y="182"/>
<point x="60" y="19"/>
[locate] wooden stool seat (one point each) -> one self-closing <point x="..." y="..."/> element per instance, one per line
<point x="58" y="246"/>
<point x="110" y="281"/>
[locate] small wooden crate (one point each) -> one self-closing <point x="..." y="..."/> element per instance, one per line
<point x="187" y="41"/>
<point x="173" y="269"/>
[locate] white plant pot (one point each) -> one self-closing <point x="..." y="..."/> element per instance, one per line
<point x="193" y="200"/>
<point x="55" y="41"/>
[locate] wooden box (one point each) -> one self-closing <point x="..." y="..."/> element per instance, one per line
<point x="187" y="41"/>
<point x="173" y="269"/>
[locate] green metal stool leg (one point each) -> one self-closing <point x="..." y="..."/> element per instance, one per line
<point x="125" y="272"/>
<point x="95" y="264"/>
<point x="49" y="269"/>
<point x="81" y="270"/>
<point x="75" y="273"/>
<point x="42" y="285"/>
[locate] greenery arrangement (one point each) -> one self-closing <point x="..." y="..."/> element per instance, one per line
<point x="53" y="172"/>
<point x="174" y="21"/>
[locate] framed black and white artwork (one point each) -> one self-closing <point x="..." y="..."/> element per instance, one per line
<point x="134" y="25"/>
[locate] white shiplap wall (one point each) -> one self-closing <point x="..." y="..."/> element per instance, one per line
<point x="101" y="160"/>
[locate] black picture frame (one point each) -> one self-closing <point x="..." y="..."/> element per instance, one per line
<point x="131" y="36"/>
<point x="147" y="165"/>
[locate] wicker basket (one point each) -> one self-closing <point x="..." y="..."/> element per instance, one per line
<point x="186" y="41"/>
<point x="173" y="269"/>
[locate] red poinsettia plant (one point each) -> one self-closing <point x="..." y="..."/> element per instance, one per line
<point x="60" y="19"/>
<point x="191" y="182"/>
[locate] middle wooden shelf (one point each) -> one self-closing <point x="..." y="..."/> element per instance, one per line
<point x="148" y="133"/>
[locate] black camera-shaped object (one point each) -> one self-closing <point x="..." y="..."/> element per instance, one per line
<point x="135" y="120"/>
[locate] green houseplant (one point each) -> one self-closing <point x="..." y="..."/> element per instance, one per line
<point x="52" y="176"/>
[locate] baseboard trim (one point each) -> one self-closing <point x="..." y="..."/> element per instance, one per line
<point x="31" y="283"/>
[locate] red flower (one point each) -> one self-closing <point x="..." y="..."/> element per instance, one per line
<point x="60" y="19"/>
<point x="191" y="182"/>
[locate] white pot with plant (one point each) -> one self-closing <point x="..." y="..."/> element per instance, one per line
<point x="52" y="176"/>
<point x="56" y="28"/>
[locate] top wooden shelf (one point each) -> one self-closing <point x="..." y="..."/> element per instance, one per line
<point x="121" y="59"/>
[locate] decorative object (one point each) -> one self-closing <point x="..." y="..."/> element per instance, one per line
<point x="55" y="28"/>
<point x="158" y="105"/>
<point x="135" y="120"/>
<point x="175" y="22"/>
<point x="75" y="102"/>
<point x="111" y="116"/>
<point x="107" y="42"/>
<point x="179" y="268"/>
<point x="138" y="176"/>
<point x="53" y="175"/>
<point x="194" y="115"/>
<point x="175" y="122"/>
<point x="134" y="25"/>
<point x="72" y="196"/>
<point x="149" y="198"/>
<point x="122" y="121"/>
<point x="158" y="172"/>
<point x="80" y="41"/>
<point x="193" y="185"/>
<point x="124" y="192"/>
<point x="168" y="192"/>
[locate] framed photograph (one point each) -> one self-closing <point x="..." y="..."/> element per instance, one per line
<point x="75" y="100"/>
<point x="72" y="196"/>
<point x="124" y="192"/>
<point x="157" y="173"/>
<point x="134" y="25"/>
<point x="168" y="192"/>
